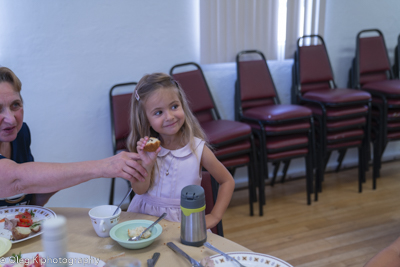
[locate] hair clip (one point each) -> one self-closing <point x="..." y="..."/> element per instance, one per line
<point x="137" y="95"/>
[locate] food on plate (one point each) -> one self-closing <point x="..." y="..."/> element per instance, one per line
<point x="22" y="225"/>
<point x="152" y="144"/>
<point x="137" y="231"/>
<point x="20" y="232"/>
<point x="18" y="261"/>
<point x="36" y="227"/>
<point x="207" y="262"/>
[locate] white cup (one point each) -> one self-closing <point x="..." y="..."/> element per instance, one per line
<point x="103" y="219"/>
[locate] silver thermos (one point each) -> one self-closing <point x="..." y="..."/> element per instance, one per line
<point x="193" y="218"/>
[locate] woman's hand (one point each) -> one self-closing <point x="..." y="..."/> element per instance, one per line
<point x="148" y="158"/>
<point x="125" y="165"/>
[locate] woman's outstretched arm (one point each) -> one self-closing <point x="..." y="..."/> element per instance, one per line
<point x="40" y="177"/>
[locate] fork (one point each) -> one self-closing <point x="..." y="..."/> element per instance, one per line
<point x="223" y="254"/>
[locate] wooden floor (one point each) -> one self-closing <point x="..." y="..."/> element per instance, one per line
<point x="343" y="228"/>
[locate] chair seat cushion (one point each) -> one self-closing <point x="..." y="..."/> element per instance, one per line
<point x="345" y="123"/>
<point x="390" y="101"/>
<point x="345" y="144"/>
<point x="336" y="113"/>
<point x="121" y="144"/>
<point x="392" y="114"/>
<point x="391" y="126"/>
<point x="220" y="131"/>
<point x="233" y="149"/>
<point x="286" y="128"/>
<point x="236" y="161"/>
<point x="393" y="135"/>
<point x="338" y="95"/>
<point x="281" y="142"/>
<point x="390" y="87"/>
<point x="287" y="154"/>
<point x="338" y="136"/>
<point x="277" y="113"/>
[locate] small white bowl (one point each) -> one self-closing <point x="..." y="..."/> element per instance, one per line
<point x="120" y="233"/>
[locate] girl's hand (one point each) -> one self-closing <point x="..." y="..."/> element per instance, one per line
<point x="211" y="221"/>
<point x="148" y="158"/>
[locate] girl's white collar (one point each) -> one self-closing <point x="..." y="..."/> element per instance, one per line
<point x="181" y="152"/>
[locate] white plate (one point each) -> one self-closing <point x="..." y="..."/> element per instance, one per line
<point x="249" y="259"/>
<point x="74" y="259"/>
<point x="5" y="246"/>
<point x="10" y="212"/>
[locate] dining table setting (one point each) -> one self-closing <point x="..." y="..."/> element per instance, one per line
<point x="92" y="239"/>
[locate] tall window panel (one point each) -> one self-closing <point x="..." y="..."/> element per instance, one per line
<point x="271" y="26"/>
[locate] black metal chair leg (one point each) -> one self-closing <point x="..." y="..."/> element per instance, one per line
<point x="342" y="154"/>
<point x="111" y="200"/>
<point x="276" y="168"/>
<point x="285" y="169"/>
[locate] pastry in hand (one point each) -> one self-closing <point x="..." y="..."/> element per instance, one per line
<point x="152" y="144"/>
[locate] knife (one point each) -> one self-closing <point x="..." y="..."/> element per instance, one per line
<point x="152" y="262"/>
<point x="178" y="250"/>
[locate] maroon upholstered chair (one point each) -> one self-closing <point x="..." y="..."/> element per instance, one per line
<point x="232" y="140"/>
<point x="211" y="192"/>
<point x="120" y="103"/>
<point x="371" y="72"/>
<point x="341" y="114"/>
<point x="283" y="132"/>
<point x="396" y="65"/>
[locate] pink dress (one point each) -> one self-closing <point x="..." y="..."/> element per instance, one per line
<point x="176" y="169"/>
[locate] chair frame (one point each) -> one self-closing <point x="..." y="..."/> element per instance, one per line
<point x="252" y="168"/>
<point x="325" y="152"/>
<point x="381" y="140"/>
<point x="215" y="188"/>
<point x="262" y="135"/>
<point x="113" y="137"/>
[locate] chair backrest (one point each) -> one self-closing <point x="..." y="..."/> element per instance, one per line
<point x="197" y="91"/>
<point x="211" y="190"/>
<point x="371" y="58"/>
<point x="396" y="65"/>
<point x="254" y="85"/>
<point x="120" y="104"/>
<point x="313" y="71"/>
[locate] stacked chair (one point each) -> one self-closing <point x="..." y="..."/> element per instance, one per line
<point x="210" y="187"/>
<point x="371" y="72"/>
<point x="120" y="104"/>
<point x="341" y="114"/>
<point x="282" y="132"/>
<point x="232" y="141"/>
<point x="396" y="65"/>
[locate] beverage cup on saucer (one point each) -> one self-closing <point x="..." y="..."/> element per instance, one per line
<point x="103" y="219"/>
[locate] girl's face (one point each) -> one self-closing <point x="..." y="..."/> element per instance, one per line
<point x="164" y="111"/>
<point x="11" y="112"/>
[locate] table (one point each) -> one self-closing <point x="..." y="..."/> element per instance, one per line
<point x="83" y="239"/>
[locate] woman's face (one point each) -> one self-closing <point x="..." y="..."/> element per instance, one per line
<point x="11" y="112"/>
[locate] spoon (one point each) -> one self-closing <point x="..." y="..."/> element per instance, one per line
<point x="122" y="201"/>
<point x="137" y="238"/>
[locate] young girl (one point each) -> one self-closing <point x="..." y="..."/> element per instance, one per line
<point x="160" y="109"/>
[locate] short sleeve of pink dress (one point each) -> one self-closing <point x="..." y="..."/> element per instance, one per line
<point x="175" y="169"/>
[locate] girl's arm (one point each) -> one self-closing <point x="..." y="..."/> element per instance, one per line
<point x="41" y="177"/>
<point x="226" y="186"/>
<point x="148" y="159"/>
<point x="388" y="257"/>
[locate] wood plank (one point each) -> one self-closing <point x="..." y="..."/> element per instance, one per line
<point x="343" y="228"/>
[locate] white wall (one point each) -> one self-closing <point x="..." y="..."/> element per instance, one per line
<point x="68" y="55"/>
<point x="344" y="19"/>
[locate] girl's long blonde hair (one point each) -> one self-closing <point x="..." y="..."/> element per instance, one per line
<point x="139" y="124"/>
